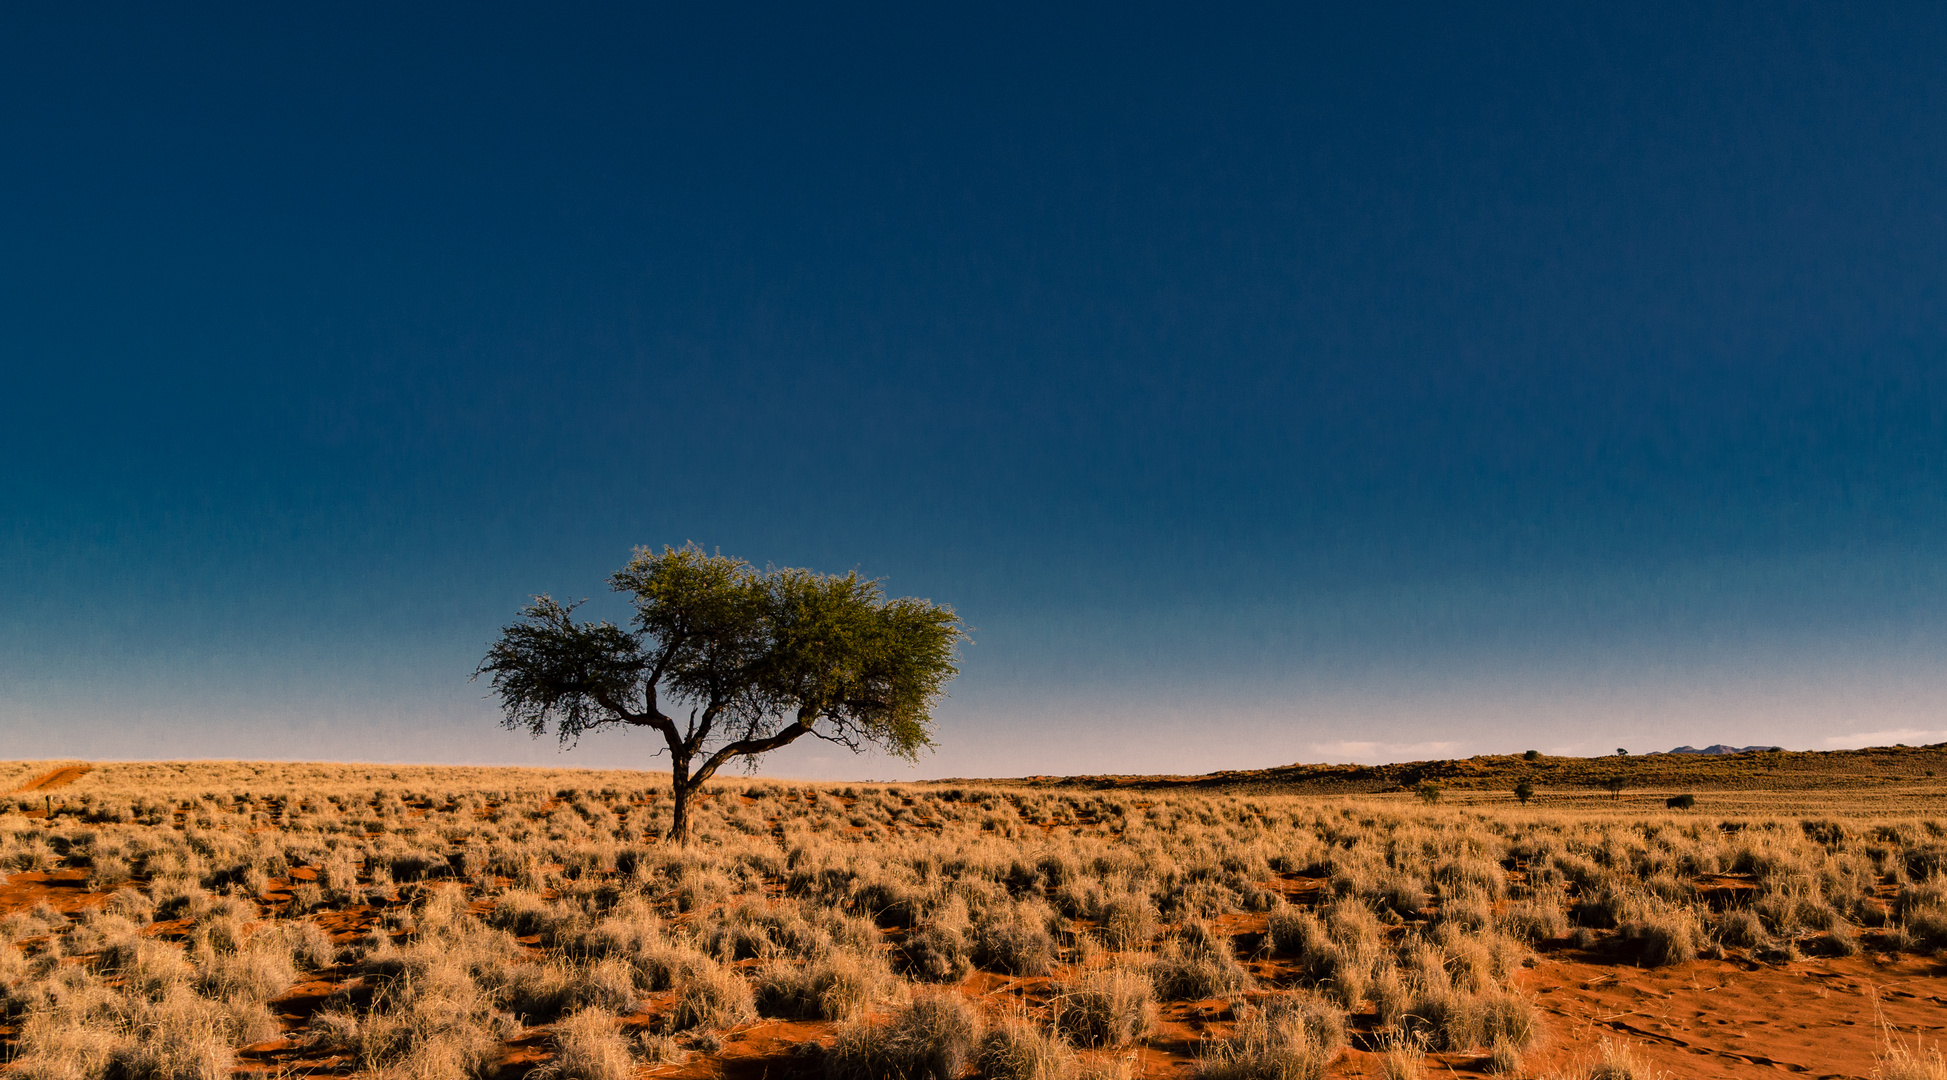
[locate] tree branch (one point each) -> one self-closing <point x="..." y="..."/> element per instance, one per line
<point x="652" y="719"/>
<point x="748" y="747"/>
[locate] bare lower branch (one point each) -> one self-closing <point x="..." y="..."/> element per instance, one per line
<point x="751" y="747"/>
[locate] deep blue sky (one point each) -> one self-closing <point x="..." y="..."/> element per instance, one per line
<point x="1262" y="384"/>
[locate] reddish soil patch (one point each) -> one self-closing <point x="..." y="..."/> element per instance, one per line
<point x="66" y="891"/>
<point x="1736" y="1018"/>
<point x="57" y="778"/>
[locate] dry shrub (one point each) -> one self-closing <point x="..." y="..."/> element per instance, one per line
<point x="1402" y="894"/>
<point x="1293" y="931"/>
<point x="1503" y="1058"/>
<point x="933" y="1038"/>
<point x="428" y="1017"/>
<point x="1446" y="1017"/>
<point x="1903" y="1062"/>
<point x="1470" y="908"/>
<point x="1015" y="944"/>
<point x="148" y="967"/>
<point x="1124" y="1066"/>
<point x="937" y="952"/>
<point x="661" y="1048"/>
<point x="1341" y="957"/>
<point x="1926" y="925"/>
<point x="1127" y="920"/>
<point x="1509" y="1019"/>
<point x="429" y="1035"/>
<point x="1197" y="964"/>
<point x="58" y="1046"/>
<point x="1112" y="1007"/>
<point x="331" y="1029"/>
<point x="1401" y="1057"/>
<point x="1019" y="1050"/>
<point x="1663" y="936"/>
<point x="629" y="932"/>
<point x="1742" y="929"/>
<point x="132" y="904"/>
<point x="664" y="966"/>
<point x="179" y="1038"/>
<point x="1536" y="919"/>
<point x="588" y="1046"/>
<point x="1615" y="1062"/>
<point x="304" y="943"/>
<point x="837" y="987"/>
<point x="1391" y="996"/>
<point x="713" y="997"/>
<point x="524" y="913"/>
<point x="256" y="973"/>
<point x="1292" y="1040"/>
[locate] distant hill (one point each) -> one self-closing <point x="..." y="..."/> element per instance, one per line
<point x="1718" y="769"/>
<point x="1720" y="748"/>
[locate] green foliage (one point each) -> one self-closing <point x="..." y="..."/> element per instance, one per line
<point x="1428" y="792"/>
<point x="754" y="652"/>
<point x="757" y="659"/>
<point x="1531" y="755"/>
<point x="1524" y="791"/>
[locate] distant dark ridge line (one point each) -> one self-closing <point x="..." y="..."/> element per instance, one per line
<point x="1748" y="769"/>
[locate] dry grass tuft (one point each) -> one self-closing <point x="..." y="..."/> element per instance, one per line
<point x="1105" y="1008"/>
<point x="1296" y="1041"/>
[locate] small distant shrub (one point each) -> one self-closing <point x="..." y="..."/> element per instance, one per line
<point x="1535" y="920"/>
<point x="1401" y="1057"/>
<point x="713" y="997"/>
<point x="1180" y="975"/>
<point x="933" y="1038"/>
<point x="1742" y="929"/>
<point x="1615" y="1062"/>
<point x="1391" y="996"/>
<point x="1509" y="1019"/>
<point x="1292" y="1043"/>
<point x="1903" y="1062"/>
<point x="1018" y="1050"/>
<point x="1926" y="926"/>
<point x="589" y="1047"/>
<point x="838" y="987"/>
<point x="1403" y="894"/>
<point x="937" y="953"/>
<point x="1294" y="931"/>
<point x="1126" y="922"/>
<point x="1112" y="1007"/>
<point x="1523" y="792"/>
<point x="1428" y="792"/>
<point x="1503" y="1058"/>
<point x="1014" y="946"/>
<point x="1680" y="802"/>
<point x="1663" y="937"/>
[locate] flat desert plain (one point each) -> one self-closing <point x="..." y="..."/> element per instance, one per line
<point x="208" y="920"/>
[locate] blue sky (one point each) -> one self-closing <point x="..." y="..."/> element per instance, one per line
<point x="1262" y="384"/>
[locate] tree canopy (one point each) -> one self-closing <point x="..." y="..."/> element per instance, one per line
<point x="757" y="659"/>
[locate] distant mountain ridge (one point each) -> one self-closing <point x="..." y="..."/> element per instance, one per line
<point x="1715" y="768"/>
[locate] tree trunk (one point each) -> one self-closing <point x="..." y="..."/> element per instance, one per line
<point x="679" y="809"/>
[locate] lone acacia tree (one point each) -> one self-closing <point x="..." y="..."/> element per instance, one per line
<point x="758" y="659"/>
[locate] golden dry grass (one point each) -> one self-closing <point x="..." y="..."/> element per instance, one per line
<point x="188" y="919"/>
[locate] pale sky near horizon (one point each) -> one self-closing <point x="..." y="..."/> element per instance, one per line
<point x="1262" y="383"/>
